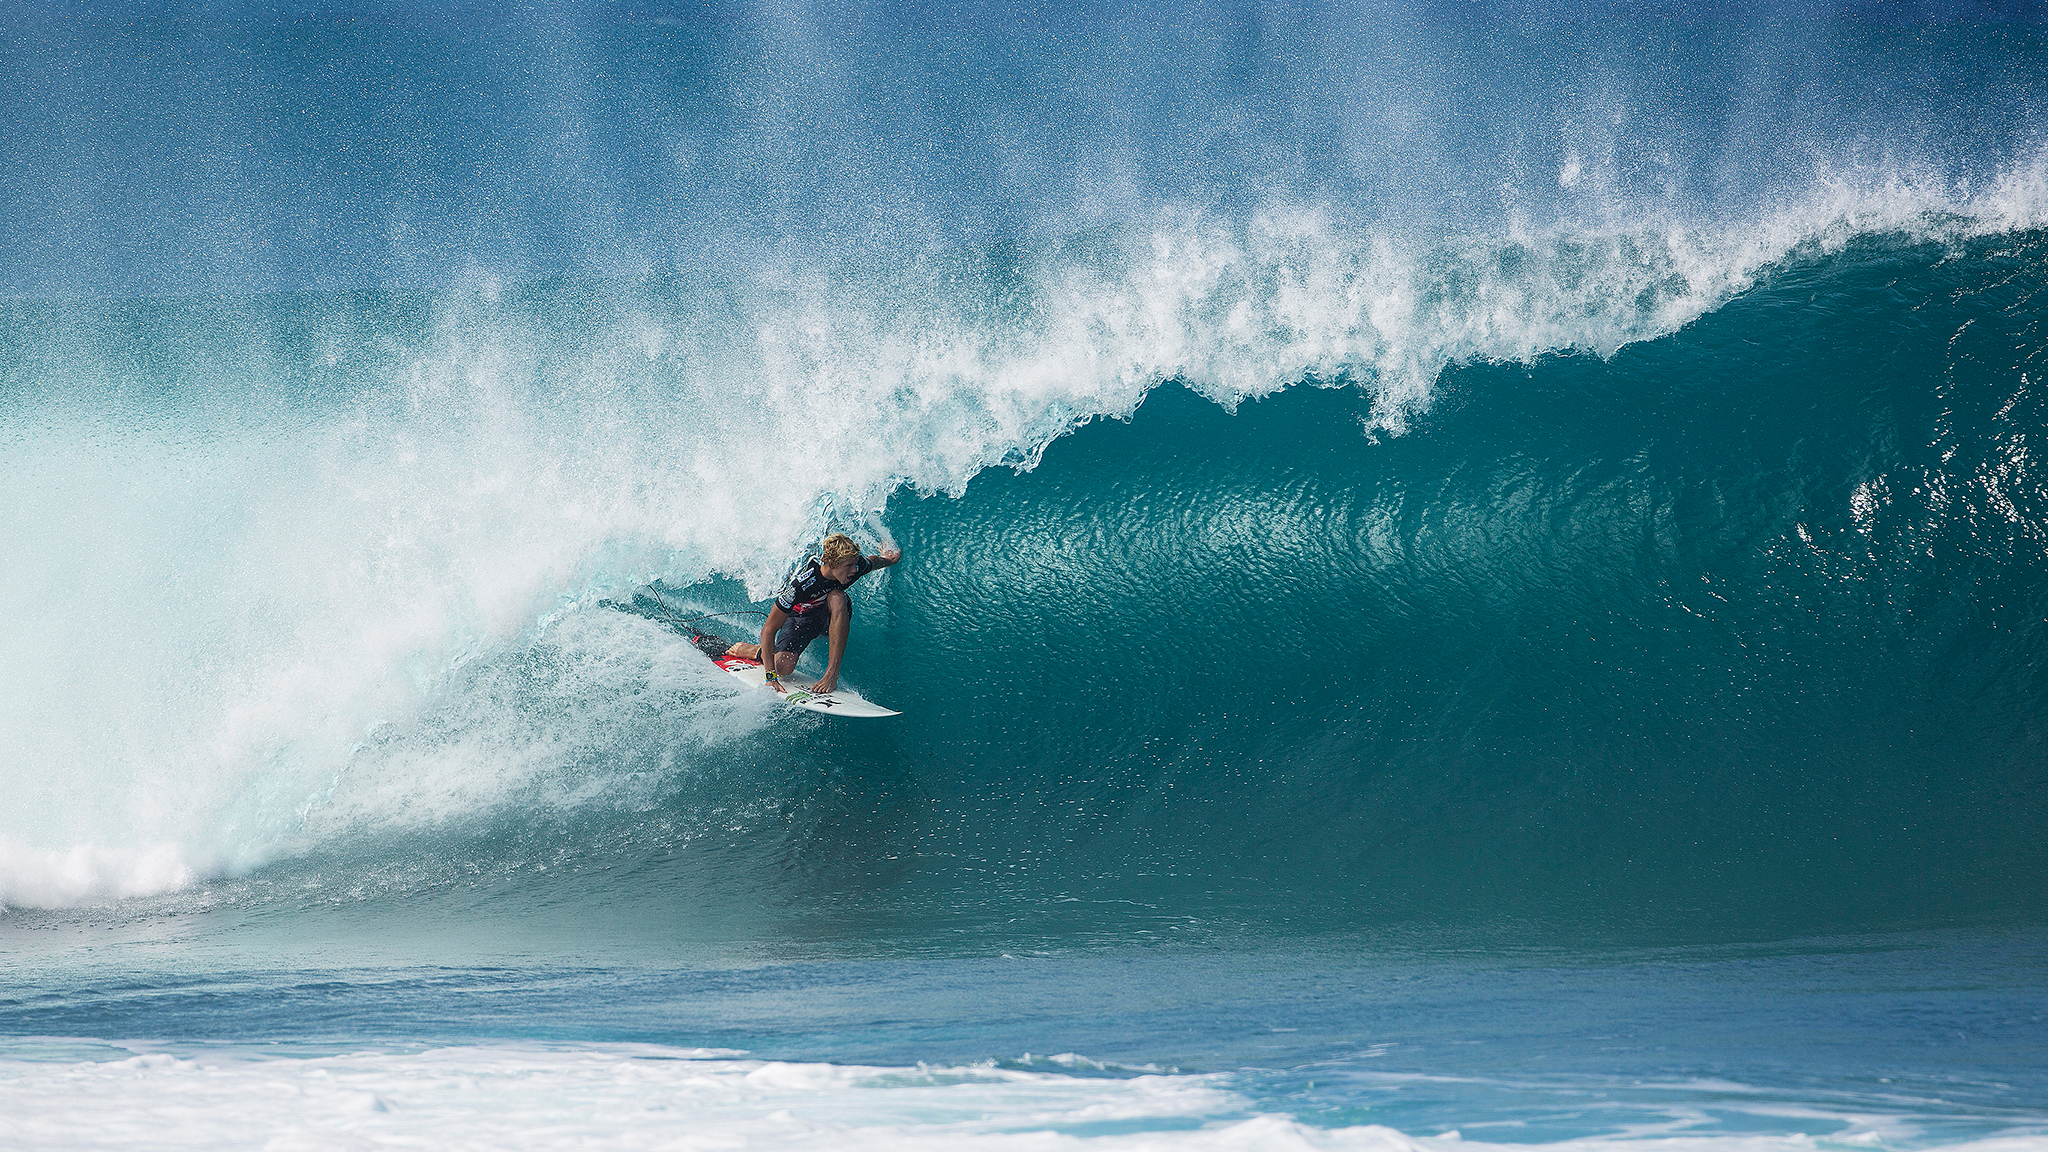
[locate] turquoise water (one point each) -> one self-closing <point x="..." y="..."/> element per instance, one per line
<point x="1433" y="611"/>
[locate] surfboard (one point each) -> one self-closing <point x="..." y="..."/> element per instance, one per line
<point x="841" y="701"/>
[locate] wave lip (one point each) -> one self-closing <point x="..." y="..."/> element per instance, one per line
<point x="89" y="873"/>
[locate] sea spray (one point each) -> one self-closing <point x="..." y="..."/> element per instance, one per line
<point x="322" y="413"/>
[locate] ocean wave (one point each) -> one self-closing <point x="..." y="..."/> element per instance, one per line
<point x="332" y="524"/>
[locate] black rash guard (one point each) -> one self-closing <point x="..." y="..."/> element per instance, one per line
<point x="807" y="590"/>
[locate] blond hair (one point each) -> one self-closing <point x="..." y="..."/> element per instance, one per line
<point x="838" y="549"/>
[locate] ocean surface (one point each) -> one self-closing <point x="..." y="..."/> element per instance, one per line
<point x="1472" y="575"/>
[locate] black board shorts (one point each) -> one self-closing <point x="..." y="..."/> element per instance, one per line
<point x="801" y="628"/>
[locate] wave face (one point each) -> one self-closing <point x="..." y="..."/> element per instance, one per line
<point x="1332" y="487"/>
<point x="1745" y="623"/>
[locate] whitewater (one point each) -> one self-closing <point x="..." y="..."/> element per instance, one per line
<point x="1470" y="578"/>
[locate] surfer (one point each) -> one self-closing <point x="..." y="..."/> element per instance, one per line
<point x="814" y="601"/>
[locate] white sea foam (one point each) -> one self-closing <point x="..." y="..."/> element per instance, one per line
<point x="641" y="1096"/>
<point x="47" y="879"/>
<point x="257" y="617"/>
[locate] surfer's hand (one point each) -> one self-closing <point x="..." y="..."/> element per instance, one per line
<point x="892" y="555"/>
<point x="825" y="685"/>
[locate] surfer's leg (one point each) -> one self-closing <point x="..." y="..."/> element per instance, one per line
<point x="796" y="636"/>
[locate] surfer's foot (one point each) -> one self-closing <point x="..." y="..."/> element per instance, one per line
<point x="745" y="651"/>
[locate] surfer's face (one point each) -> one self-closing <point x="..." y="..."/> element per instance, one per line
<point x="843" y="573"/>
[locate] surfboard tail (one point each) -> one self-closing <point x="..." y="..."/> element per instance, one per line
<point x="712" y="646"/>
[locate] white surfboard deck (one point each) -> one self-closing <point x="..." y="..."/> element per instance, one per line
<point x="841" y="701"/>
